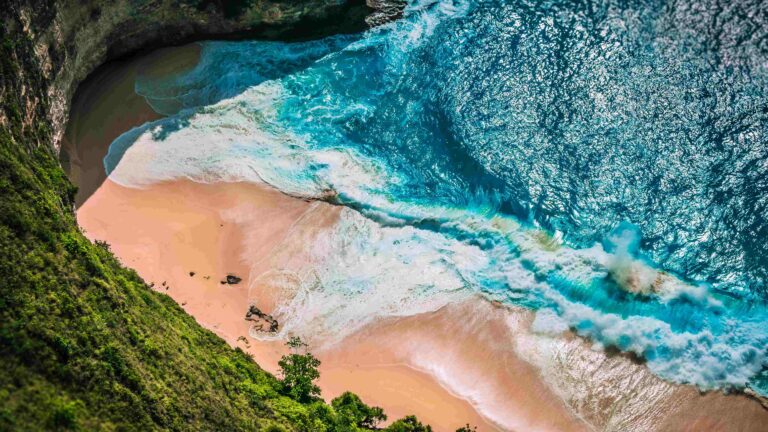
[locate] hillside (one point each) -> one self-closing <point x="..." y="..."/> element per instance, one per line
<point x="85" y="344"/>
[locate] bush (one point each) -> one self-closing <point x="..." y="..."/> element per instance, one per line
<point x="352" y="411"/>
<point x="408" y="424"/>
<point x="64" y="415"/>
<point x="300" y="373"/>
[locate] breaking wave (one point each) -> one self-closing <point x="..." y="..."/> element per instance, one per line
<point x="603" y="165"/>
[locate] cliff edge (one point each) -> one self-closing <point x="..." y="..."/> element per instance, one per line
<point x="85" y="344"/>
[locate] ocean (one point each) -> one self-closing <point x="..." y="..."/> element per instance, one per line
<point x="604" y="164"/>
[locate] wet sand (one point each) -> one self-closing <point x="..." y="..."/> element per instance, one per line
<point x="468" y="347"/>
<point x="471" y="363"/>
<point x="169" y="230"/>
<point x="106" y="105"/>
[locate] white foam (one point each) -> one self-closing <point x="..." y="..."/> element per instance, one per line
<point x="361" y="271"/>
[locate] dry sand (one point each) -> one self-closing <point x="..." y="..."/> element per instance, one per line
<point x="456" y="365"/>
<point x="171" y="229"/>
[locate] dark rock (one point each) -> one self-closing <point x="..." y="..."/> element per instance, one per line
<point x="233" y="280"/>
<point x="191" y="274"/>
<point x="384" y="11"/>
<point x="260" y="318"/>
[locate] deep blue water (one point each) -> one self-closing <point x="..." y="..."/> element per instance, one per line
<point x="582" y="150"/>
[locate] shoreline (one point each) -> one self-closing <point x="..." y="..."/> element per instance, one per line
<point x="106" y="106"/>
<point x="151" y="230"/>
<point x="473" y="362"/>
<point x="233" y="228"/>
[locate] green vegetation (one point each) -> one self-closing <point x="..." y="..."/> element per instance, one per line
<point x="85" y="344"/>
<point x="408" y="424"/>
<point x="353" y="412"/>
<point x="300" y="373"/>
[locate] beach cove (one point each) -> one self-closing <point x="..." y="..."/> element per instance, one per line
<point x="470" y="361"/>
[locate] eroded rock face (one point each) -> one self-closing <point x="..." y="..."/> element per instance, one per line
<point x="58" y="43"/>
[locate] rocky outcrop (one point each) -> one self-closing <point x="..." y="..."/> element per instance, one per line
<point x="262" y="320"/>
<point x="58" y="43"/>
<point x="231" y="280"/>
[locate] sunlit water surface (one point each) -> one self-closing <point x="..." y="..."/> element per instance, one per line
<point x="604" y="164"/>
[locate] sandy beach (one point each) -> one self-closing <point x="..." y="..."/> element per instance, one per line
<point x="169" y="231"/>
<point x="106" y="106"/>
<point x="472" y="362"/>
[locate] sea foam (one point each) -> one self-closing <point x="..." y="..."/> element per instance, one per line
<point x="427" y="222"/>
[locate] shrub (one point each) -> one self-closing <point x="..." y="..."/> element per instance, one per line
<point x="408" y="424"/>
<point x="64" y="415"/>
<point x="352" y="410"/>
<point x="300" y="373"/>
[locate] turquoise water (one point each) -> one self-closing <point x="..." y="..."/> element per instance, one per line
<point x="605" y="164"/>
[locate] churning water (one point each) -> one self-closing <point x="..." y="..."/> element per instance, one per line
<point x="602" y="163"/>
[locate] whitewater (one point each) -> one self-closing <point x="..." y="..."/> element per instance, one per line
<point x="603" y="165"/>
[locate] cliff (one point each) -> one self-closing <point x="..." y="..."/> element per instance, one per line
<point x="58" y="43"/>
<point x="85" y="344"/>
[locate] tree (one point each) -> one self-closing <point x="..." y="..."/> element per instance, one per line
<point x="347" y="413"/>
<point x="408" y="424"/>
<point x="467" y="428"/>
<point x="352" y="411"/>
<point x="300" y="372"/>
